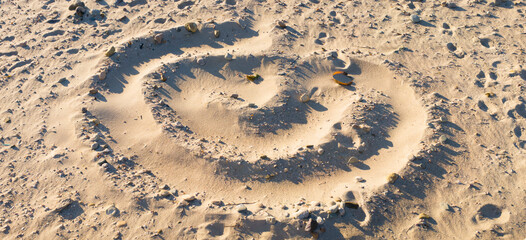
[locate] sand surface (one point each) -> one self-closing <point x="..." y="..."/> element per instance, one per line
<point x="154" y="119"/>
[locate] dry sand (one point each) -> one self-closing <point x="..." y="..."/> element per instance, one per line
<point x="164" y="119"/>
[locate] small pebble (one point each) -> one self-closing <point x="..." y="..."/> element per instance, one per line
<point x="321" y="151"/>
<point x="423" y="216"/>
<point x="301" y="214"/>
<point x="110" y="52"/>
<point x="188" y="198"/>
<point x="304" y="98"/>
<point x="270" y="220"/>
<point x="241" y="208"/>
<point x="311" y="225"/>
<point x="94" y="146"/>
<point x="191" y="27"/>
<point x="102" y="74"/>
<point x="415" y="18"/>
<point x="201" y="61"/>
<point x="442" y="139"/>
<point x="164" y="193"/>
<point x="112" y="210"/>
<point x="333" y="209"/>
<point x="158" y="38"/>
<point x="392" y="178"/>
<point x="352" y="160"/>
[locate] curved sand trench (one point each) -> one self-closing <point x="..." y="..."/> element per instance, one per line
<point x="278" y="123"/>
<point x="128" y="115"/>
<point x="142" y="129"/>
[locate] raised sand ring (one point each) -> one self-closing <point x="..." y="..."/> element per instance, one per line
<point x="260" y="130"/>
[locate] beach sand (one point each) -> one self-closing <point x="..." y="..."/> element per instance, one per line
<point x="160" y="119"/>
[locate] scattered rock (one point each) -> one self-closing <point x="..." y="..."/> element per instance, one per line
<point x="5" y="229"/>
<point x="415" y="18"/>
<point x="241" y="208"/>
<point x="449" y="4"/>
<point x="352" y="160"/>
<point x="93" y="91"/>
<point x="234" y="96"/>
<point x="304" y="98"/>
<point x="321" y="151"/>
<point x="253" y="77"/>
<point x="359" y="179"/>
<point x="228" y="57"/>
<point x="94" y="146"/>
<point x="110" y="52"/>
<point x="80" y="11"/>
<point x="392" y="178"/>
<point x="320" y="220"/>
<point x="191" y="27"/>
<point x="423" y="216"/>
<point x="188" y="198"/>
<point x="442" y="139"/>
<point x="311" y="225"/>
<point x="281" y="24"/>
<point x="72" y="7"/>
<point x="164" y="193"/>
<point x="270" y="220"/>
<point x="63" y="81"/>
<point x="96" y="136"/>
<point x="112" y="211"/>
<point x="158" y="38"/>
<point x="76" y="5"/>
<point x="217" y="33"/>
<point x="333" y="209"/>
<point x="342" y="78"/>
<point x="160" y="20"/>
<point x="301" y="214"/>
<point x="333" y="54"/>
<point x="63" y="204"/>
<point x="102" y="74"/>
<point x="121" y="224"/>
<point x="201" y="61"/>
<point x="217" y="202"/>
<point x="497" y="2"/>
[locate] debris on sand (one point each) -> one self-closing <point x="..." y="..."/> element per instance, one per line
<point x="342" y="78"/>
